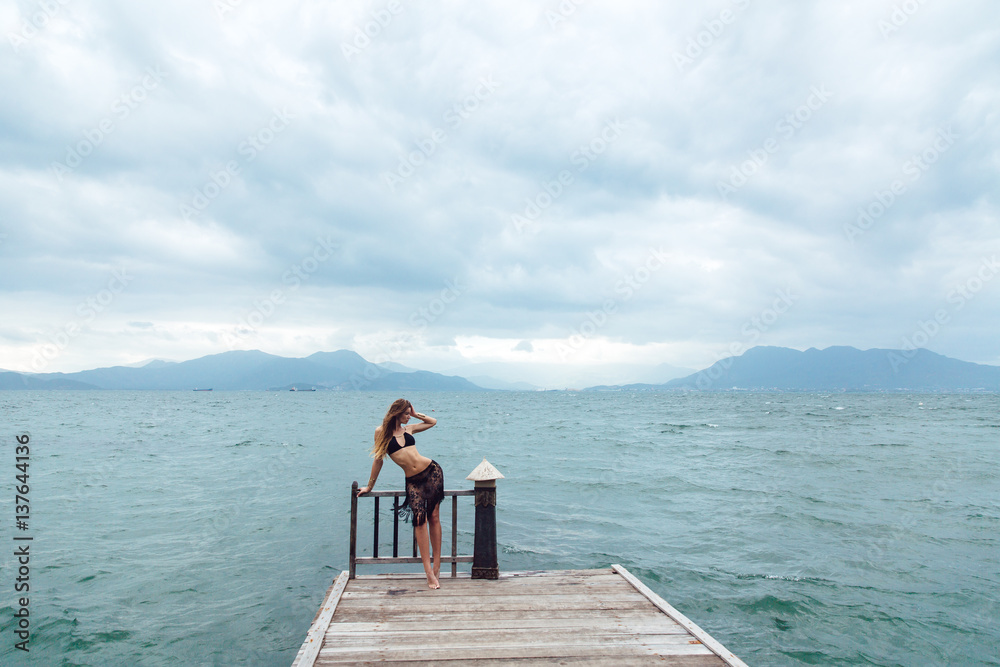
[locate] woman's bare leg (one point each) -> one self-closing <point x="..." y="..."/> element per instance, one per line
<point x="422" y="544"/>
<point x="434" y="526"/>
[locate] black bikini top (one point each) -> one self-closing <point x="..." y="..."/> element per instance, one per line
<point x="394" y="444"/>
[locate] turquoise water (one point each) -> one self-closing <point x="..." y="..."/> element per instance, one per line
<point x="184" y="528"/>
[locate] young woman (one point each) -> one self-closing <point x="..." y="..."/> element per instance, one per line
<point x="424" y="479"/>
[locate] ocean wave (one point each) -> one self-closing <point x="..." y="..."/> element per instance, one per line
<point x="785" y="577"/>
<point x="771" y="604"/>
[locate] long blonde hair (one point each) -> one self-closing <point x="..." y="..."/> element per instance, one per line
<point x="398" y="408"/>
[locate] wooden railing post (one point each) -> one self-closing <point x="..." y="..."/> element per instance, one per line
<point x="395" y="527"/>
<point x="375" y="539"/>
<point x="454" y="535"/>
<point x="484" y="553"/>
<point x="354" y="528"/>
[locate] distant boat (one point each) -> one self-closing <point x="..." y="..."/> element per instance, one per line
<point x="297" y="389"/>
<point x="196" y="389"/>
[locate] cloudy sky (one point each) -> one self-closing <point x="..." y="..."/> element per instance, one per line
<point x="447" y="183"/>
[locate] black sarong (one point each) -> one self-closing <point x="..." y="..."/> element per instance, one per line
<point x="424" y="492"/>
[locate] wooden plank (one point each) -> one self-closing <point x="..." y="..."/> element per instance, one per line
<point x="362" y="578"/>
<point x="552" y="651"/>
<point x="400" y="494"/>
<point x="488" y="606"/>
<point x="452" y="587"/>
<point x="465" y="586"/>
<point x="558" y="573"/>
<point x="371" y="560"/>
<point x="566" y="625"/>
<point x="444" y="597"/>
<point x="512" y="575"/>
<point x="450" y="637"/>
<point x="660" y="624"/>
<point x="317" y="631"/>
<point x="725" y="654"/>
<point x="577" y="661"/>
<point x="417" y="615"/>
<point x="376" y="581"/>
<point x="319" y="610"/>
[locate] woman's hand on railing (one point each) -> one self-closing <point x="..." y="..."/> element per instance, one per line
<point x="363" y="490"/>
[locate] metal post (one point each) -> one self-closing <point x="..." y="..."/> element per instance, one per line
<point x="354" y="528"/>
<point x="484" y="555"/>
<point x="395" y="526"/>
<point x="375" y="543"/>
<point x="454" y="535"/>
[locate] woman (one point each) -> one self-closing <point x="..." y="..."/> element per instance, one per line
<point x="424" y="479"/>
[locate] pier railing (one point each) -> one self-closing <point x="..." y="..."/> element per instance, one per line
<point x="375" y="559"/>
<point x="484" y="556"/>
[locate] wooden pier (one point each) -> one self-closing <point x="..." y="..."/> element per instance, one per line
<point x="569" y="617"/>
<point x="599" y="617"/>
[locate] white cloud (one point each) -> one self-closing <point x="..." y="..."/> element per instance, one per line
<point x="558" y="83"/>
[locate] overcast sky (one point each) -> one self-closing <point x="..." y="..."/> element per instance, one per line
<point x="443" y="183"/>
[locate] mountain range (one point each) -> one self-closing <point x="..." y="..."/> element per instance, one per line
<point x="837" y="368"/>
<point x="758" y="369"/>
<point x="246" y="369"/>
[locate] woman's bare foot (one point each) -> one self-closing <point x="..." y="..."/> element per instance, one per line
<point x="433" y="583"/>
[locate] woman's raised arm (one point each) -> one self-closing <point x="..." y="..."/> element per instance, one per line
<point x="427" y="422"/>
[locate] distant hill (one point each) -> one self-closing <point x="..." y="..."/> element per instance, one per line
<point x="835" y="369"/>
<point x="11" y="380"/>
<point x="246" y="369"/>
<point x="490" y="382"/>
<point x="533" y="375"/>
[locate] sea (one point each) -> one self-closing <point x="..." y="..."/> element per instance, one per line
<point x="204" y="528"/>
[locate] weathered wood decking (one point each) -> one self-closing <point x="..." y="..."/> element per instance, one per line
<point x="569" y="617"/>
